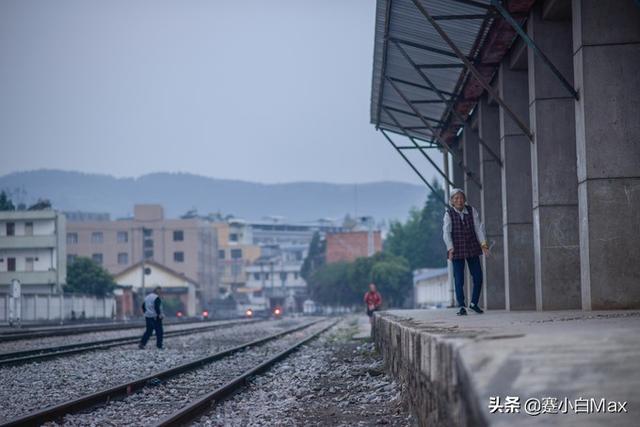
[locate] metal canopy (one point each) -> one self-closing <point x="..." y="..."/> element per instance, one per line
<point x="438" y="56"/>
<point x="401" y="32"/>
<point x="433" y="59"/>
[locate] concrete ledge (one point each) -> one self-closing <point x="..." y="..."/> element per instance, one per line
<point x="452" y="366"/>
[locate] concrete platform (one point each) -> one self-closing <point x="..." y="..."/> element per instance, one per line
<point x="452" y="366"/>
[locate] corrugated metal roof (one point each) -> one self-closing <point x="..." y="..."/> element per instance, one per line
<point x="401" y="26"/>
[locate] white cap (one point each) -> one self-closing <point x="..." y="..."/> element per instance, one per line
<point x="456" y="191"/>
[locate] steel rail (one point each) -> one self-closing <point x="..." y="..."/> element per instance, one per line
<point x="205" y="402"/>
<point x="45" y="353"/>
<point x="104" y="396"/>
<point x="55" y="332"/>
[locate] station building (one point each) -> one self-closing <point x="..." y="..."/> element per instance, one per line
<point x="178" y="290"/>
<point x="532" y="108"/>
<point x="431" y="288"/>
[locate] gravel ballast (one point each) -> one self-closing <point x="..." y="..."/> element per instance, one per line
<point x="162" y="398"/>
<point x="37" y="385"/>
<point x="332" y="381"/>
<point x="35" y="343"/>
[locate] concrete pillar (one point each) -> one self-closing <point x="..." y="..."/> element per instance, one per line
<point x="517" y="225"/>
<point x="556" y="251"/>
<point x="491" y="205"/>
<point x="471" y="159"/>
<point x="606" y="60"/>
<point x="471" y="156"/>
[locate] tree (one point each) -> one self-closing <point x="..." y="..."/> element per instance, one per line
<point x="393" y="279"/>
<point x="419" y="240"/>
<point x="315" y="257"/>
<point x="345" y="283"/>
<point x="5" y="202"/>
<point x="85" y="276"/>
<point x="391" y="274"/>
<point x="329" y="284"/>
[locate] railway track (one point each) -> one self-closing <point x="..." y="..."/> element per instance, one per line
<point x="202" y="372"/>
<point x="44" y="353"/>
<point x="17" y="335"/>
<point x="205" y="402"/>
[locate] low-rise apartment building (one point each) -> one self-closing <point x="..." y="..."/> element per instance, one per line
<point x="32" y="250"/>
<point x="275" y="280"/>
<point x="187" y="246"/>
<point x="235" y="253"/>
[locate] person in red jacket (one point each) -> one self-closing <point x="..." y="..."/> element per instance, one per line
<point x="373" y="300"/>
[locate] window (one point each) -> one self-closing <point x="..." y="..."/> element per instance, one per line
<point x="148" y="253"/>
<point x="11" y="230"/>
<point x="221" y="254"/>
<point x="97" y="258"/>
<point x="71" y="258"/>
<point x="11" y="264"/>
<point x="283" y="276"/>
<point x="147" y="232"/>
<point x="233" y="237"/>
<point x="28" y="228"/>
<point x="236" y="253"/>
<point x="148" y="243"/>
<point x="178" y="235"/>
<point x="123" y="237"/>
<point x="28" y="266"/>
<point x="123" y="258"/>
<point x="72" y="238"/>
<point x="97" y="237"/>
<point x="296" y="275"/>
<point x="256" y="276"/>
<point x="178" y="256"/>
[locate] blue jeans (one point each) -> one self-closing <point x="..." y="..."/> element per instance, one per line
<point x="152" y="325"/>
<point x="458" y="275"/>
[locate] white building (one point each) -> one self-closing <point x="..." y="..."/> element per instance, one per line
<point x="431" y="288"/>
<point x="175" y="286"/>
<point x="276" y="280"/>
<point x="33" y="251"/>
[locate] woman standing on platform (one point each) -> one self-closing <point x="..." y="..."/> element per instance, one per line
<point x="464" y="235"/>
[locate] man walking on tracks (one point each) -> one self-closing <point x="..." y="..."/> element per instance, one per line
<point x="463" y="233"/>
<point x="153" y="315"/>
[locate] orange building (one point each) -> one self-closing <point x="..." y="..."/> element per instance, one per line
<point x="350" y="245"/>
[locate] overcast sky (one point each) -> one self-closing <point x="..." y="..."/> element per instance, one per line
<point x="270" y="91"/>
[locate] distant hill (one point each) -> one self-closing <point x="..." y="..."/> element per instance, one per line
<point x="180" y="192"/>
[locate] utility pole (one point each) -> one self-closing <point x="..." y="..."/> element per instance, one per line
<point x="144" y="294"/>
<point x="368" y="221"/>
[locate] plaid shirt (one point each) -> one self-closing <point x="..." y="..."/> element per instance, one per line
<point x="464" y="239"/>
